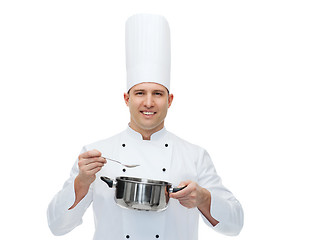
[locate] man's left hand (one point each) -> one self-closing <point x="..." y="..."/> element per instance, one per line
<point x="193" y="195"/>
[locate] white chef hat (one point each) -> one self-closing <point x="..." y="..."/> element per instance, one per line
<point x="148" y="50"/>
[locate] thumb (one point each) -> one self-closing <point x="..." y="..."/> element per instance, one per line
<point x="184" y="183"/>
<point x="180" y="193"/>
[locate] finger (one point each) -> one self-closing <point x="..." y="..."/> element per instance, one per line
<point x="185" y="198"/>
<point x="180" y="196"/>
<point x="184" y="192"/>
<point x="184" y="183"/>
<point x="86" y="161"/>
<point x="99" y="159"/>
<point x="90" y="154"/>
<point x="104" y="160"/>
<point x="187" y="204"/>
<point x="92" y="166"/>
<point x="95" y="170"/>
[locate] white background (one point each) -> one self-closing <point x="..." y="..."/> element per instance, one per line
<point x="241" y="78"/>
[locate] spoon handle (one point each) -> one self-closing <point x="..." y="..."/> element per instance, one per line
<point x="110" y="159"/>
<point x="125" y="165"/>
<point x="114" y="160"/>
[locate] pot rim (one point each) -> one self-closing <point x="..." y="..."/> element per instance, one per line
<point x="143" y="181"/>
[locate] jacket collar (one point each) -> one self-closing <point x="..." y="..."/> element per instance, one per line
<point x="154" y="137"/>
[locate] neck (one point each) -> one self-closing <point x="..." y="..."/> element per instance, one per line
<point x="146" y="133"/>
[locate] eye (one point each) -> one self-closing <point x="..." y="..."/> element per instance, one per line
<point x="139" y="93"/>
<point x="158" y="93"/>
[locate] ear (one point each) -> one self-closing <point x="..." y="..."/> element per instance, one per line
<point x="170" y="99"/>
<point x="126" y="98"/>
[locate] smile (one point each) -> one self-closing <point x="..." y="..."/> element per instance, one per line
<point x="148" y="113"/>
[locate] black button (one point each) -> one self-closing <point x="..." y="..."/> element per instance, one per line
<point x="127" y="236"/>
<point x="164" y="169"/>
<point x="124" y="170"/>
<point x="123" y="145"/>
<point x="166" y="145"/>
<point x="157" y="236"/>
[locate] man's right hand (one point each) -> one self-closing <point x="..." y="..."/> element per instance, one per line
<point x="89" y="164"/>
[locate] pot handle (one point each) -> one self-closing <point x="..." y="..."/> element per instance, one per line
<point x="108" y="181"/>
<point x="174" y="190"/>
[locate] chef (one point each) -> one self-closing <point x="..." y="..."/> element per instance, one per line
<point x="160" y="154"/>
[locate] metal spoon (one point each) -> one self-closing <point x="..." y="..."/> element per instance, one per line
<point x="125" y="165"/>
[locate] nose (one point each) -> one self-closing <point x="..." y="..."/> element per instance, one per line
<point x="149" y="102"/>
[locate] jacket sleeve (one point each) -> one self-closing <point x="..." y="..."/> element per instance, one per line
<point x="224" y="206"/>
<point x="61" y="220"/>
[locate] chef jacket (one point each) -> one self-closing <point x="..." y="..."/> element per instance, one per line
<point x="164" y="157"/>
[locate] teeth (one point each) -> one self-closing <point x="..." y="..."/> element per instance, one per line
<point x="148" y="113"/>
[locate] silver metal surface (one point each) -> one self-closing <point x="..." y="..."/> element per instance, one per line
<point x="141" y="194"/>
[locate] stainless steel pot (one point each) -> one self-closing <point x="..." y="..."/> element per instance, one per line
<point x="141" y="194"/>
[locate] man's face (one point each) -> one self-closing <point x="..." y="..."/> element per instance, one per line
<point x="148" y="104"/>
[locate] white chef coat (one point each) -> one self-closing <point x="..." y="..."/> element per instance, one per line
<point x="165" y="157"/>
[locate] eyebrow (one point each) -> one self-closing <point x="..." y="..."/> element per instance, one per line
<point x="161" y="91"/>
